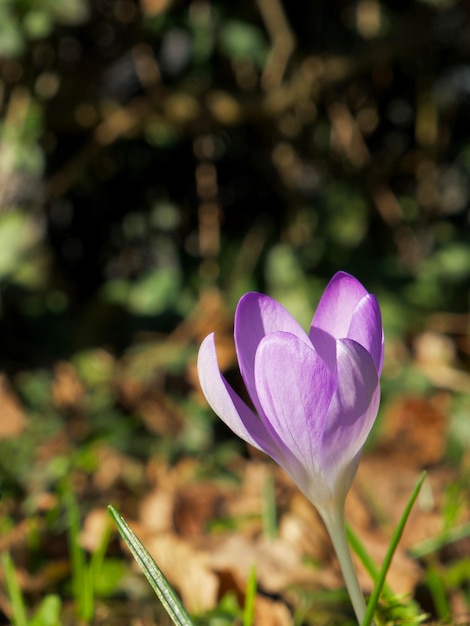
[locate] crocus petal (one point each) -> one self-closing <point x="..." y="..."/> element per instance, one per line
<point x="227" y="404"/>
<point x="336" y="306"/>
<point x="256" y="316"/>
<point x="352" y="411"/>
<point x="325" y="345"/>
<point x="366" y="328"/>
<point x="295" y="388"/>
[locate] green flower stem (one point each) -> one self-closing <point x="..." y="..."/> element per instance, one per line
<point x="335" y="524"/>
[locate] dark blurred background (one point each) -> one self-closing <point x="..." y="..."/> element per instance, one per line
<point x="151" y="151"/>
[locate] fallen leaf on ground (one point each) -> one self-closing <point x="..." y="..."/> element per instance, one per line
<point x="13" y="419"/>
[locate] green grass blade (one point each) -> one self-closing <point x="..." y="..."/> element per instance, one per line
<point x="374" y="598"/>
<point x="81" y="578"/>
<point x="433" y="544"/>
<point x="250" y="598"/>
<point x="14" y="592"/>
<point x="152" y="572"/>
<point x="365" y="558"/>
<point x="98" y="556"/>
<point x="438" y="592"/>
<point x="48" y="613"/>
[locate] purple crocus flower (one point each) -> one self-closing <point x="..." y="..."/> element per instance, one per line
<point x="316" y="396"/>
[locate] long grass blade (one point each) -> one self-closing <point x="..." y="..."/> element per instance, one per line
<point x="14" y="592"/>
<point x="427" y="546"/>
<point x="81" y="579"/>
<point x="250" y="599"/>
<point x="365" y="558"/>
<point x="152" y="572"/>
<point x="438" y="592"/>
<point x="374" y="598"/>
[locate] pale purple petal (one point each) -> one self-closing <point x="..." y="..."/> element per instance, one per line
<point x="336" y="306"/>
<point x="366" y="328"/>
<point x="295" y="388"/>
<point x="353" y="408"/>
<point x="325" y="345"/>
<point x="256" y="316"/>
<point x="344" y="478"/>
<point x="227" y="404"/>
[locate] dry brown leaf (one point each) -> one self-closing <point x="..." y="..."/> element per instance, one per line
<point x="302" y="528"/>
<point x="278" y="564"/>
<point x="195" y="506"/>
<point x="161" y="416"/>
<point x="247" y="499"/>
<point x="435" y="356"/>
<point x="187" y="569"/>
<point x="395" y="488"/>
<point x="13" y="419"/>
<point x="95" y="526"/>
<point x="114" y="467"/>
<point x="67" y="389"/>
<point x="271" y="613"/>
<point x="414" y="431"/>
<point x="156" y="511"/>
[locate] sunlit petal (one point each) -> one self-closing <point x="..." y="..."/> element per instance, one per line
<point x="336" y="306"/>
<point x="353" y="408"/>
<point x="226" y="403"/>
<point x="256" y="316"/>
<point x="295" y="388"/>
<point x="366" y="328"/>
